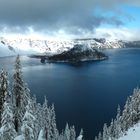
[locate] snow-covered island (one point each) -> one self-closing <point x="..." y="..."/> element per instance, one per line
<point x="78" y="53"/>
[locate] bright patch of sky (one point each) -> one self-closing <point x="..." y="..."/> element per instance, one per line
<point x="134" y="12"/>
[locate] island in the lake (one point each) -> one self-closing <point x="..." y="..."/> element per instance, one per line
<point x="78" y="53"/>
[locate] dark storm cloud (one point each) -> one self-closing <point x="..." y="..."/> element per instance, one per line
<point x="52" y="15"/>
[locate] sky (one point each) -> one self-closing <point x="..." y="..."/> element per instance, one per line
<point x="116" y="19"/>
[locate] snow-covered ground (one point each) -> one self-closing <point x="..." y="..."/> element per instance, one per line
<point x="132" y="134"/>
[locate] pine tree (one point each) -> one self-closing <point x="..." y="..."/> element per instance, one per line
<point x="100" y="136"/>
<point x="46" y="119"/>
<point x="28" y="124"/>
<point x="37" y="113"/>
<point x="20" y="94"/>
<point x="53" y="128"/>
<point x="72" y="133"/>
<point x="105" y="132"/>
<point x="96" y="138"/>
<point x="3" y="90"/>
<point x="80" y="137"/>
<point x="111" y="130"/>
<point x="117" y="124"/>
<point x="61" y="136"/>
<point x="67" y="132"/>
<point x="40" y="122"/>
<point x="7" y="130"/>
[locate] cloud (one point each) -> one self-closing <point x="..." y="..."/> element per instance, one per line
<point x="132" y="2"/>
<point x="117" y="33"/>
<point x="52" y="16"/>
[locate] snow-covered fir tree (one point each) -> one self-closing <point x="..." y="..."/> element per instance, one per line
<point x="67" y="132"/>
<point x="7" y="130"/>
<point x="3" y="90"/>
<point x="53" y="127"/>
<point x="80" y="137"/>
<point x="28" y="123"/>
<point x="105" y="132"/>
<point x="72" y="133"/>
<point x="47" y="120"/>
<point x="20" y="94"/>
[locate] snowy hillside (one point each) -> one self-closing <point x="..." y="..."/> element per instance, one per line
<point x="101" y="43"/>
<point x="31" y="46"/>
<point x="132" y="134"/>
<point x="34" y="46"/>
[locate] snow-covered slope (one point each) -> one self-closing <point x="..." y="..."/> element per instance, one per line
<point x="132" y="134"/>
<point x="32" y="46"/>
<point x="101" y="43"/>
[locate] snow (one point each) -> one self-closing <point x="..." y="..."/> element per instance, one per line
<point x="28" y="115"/>
<point x="40" y="137"/>
<point x="132" y="134"/>
<point x="80" y="137"/>
<point x="20" y="137"/>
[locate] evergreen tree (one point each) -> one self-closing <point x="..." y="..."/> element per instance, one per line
<point x="105" y="132"/>
<point x="117" y="124"/>
<point x="72" y="133"/>
<point x="53" y="128"/>
<point x="7" y="130"/>
<point x="37" y="112"/>
<point x="96" y="138"/>
<point x="111" y="130"/>
<point x="80" y="137"/>
<point x="67" y="132"/>
<point x="20" y="94"/>
<point x="28" y="124"/>
<point x="61" y="136"/>
<point x="40" y="122"/>
<point x="100" y="136"/>
<point x="47" y="119"/>
<point x="3" y="90"/>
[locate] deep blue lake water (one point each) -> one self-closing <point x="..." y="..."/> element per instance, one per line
<point x="85" y="95"/>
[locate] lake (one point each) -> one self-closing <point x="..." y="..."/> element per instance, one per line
<point x="85" y="95"/>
